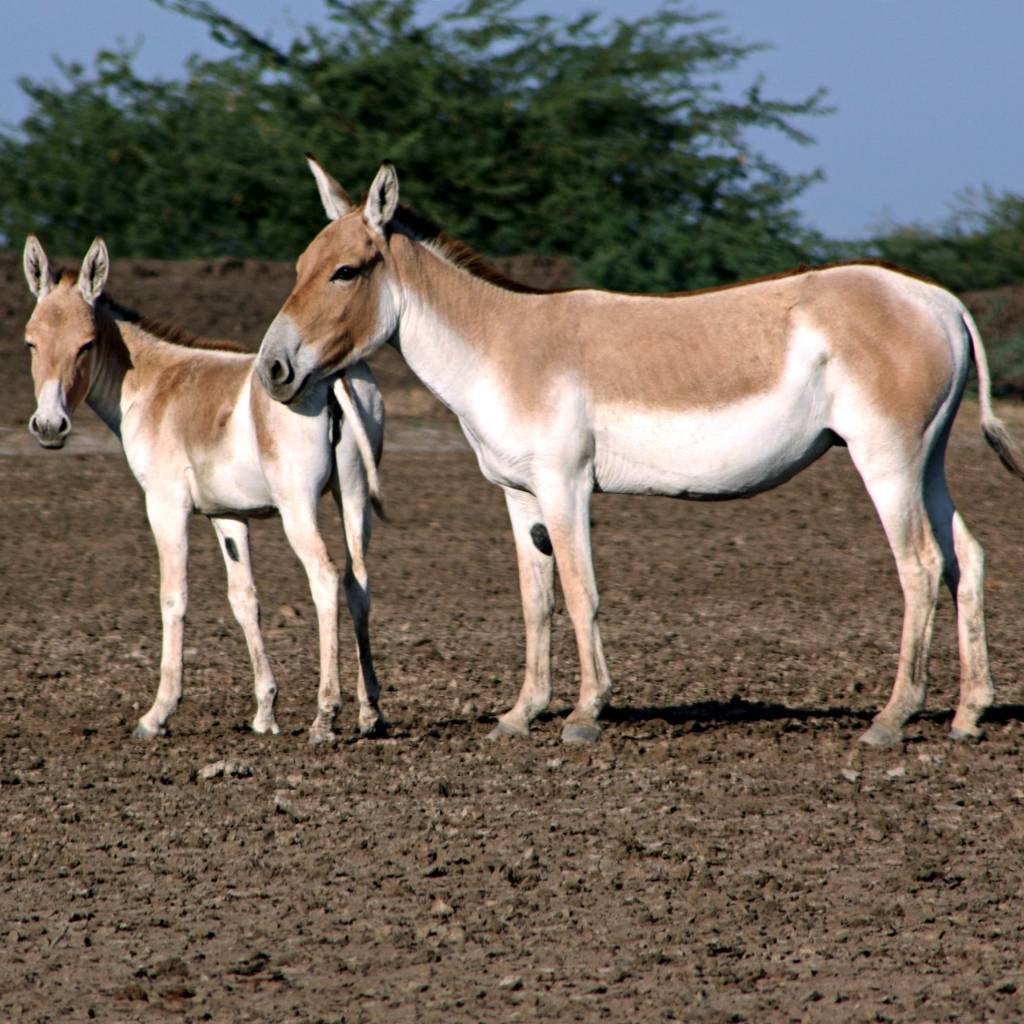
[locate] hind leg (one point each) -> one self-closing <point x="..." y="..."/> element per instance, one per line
<point x="899" y="501"/>
<point x="976" y="690"/>
<point x="965" y="578"/>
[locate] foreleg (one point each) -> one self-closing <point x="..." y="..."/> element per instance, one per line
<point x="233" y="538"/>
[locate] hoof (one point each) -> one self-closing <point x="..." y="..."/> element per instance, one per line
<point x="375" y="729"/>
<point x="142" y="732"/>
<point x="504" y="731"/>
<point x="882" y="736"/>
<point x="266" y="728"/>
<point x="973" y="735"/>
<point x="321" y="738"/>
<point x="581" y="732"/>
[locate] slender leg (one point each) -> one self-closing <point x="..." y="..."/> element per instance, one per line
<point x="350" y="495"/>
<point x="300" y="526"/>
<point x="169" y="523"/>
<point x="899" y="501"/>
<point x="976" y="689"/>
<point x="965" y="577"/>
<point x="565" y="502"/>
<point x="233" y="535"/>
<point x="537" y="588"/>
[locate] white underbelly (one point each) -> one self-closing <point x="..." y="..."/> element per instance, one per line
<point x="735" y="450"/>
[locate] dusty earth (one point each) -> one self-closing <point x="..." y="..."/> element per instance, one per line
<point x="727" y="852"/>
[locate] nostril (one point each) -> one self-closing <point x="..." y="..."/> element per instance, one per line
<point x="277" y="371"/>
<point x="33" y="425"/>
<point x="65" y="425"/>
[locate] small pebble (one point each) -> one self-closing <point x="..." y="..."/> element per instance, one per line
<point x="849" y="774"/>
<point x="282" y="805"/>
<point x="231" y="769"/>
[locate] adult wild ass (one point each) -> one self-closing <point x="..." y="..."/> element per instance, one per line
<point x="200" y="438"/>
<point x="707" y="395"/>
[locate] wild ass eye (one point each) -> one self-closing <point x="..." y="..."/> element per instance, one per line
<point x="85" y="348"/>
<point x="345" y="273"/>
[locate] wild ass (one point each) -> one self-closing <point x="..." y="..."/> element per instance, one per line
<point x="200" y="438"/>
<point x="704" y="395"/>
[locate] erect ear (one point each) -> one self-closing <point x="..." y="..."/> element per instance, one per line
<point x="382" y="201"/>
<point x="335" y="199"/>
<point x="37" y="267"/>
<point x="95" y="267"/>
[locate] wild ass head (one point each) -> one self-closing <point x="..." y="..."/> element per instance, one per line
<point x="60" y="334"/>
<point x="343" y="305"/>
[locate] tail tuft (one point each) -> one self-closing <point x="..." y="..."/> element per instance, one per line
<point x="1003" y="444"/>
<point x="998" y="437"/>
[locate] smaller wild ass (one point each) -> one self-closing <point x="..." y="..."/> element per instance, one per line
<point x="200" y="438"/>
<point x="704" y="395"/>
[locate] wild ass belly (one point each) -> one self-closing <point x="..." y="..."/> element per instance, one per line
<point x="728" y="452"/>
<point x="246" y="471"/>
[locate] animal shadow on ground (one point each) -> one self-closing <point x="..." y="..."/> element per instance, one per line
<point x="709" y="714"/>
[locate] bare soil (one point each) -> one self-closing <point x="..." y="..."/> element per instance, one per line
<point x="727" y="852"/>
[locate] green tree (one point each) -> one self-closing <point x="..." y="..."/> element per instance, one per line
<point x="607" y="142"/>
<point x="980" y="245"/>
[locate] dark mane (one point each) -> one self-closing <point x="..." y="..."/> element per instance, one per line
<point x="160" y="329"/>
<point x="164" y="331"/>
<point x="414" y="225"/>
<point x="419" y="228"/>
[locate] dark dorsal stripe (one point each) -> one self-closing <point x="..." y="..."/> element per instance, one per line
<point x="163" y="331"/>
<point x="419" y="228"/>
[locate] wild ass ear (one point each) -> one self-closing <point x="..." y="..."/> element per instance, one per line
<point x="382" y="201"/>
<point x="335" y="199"/>
<point x="37" y="267"/>
<point x="95" y="267"/>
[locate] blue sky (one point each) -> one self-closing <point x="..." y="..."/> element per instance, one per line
<point x="928" y="92"/>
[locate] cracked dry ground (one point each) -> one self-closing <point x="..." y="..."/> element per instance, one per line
<point x="726" y="852"/>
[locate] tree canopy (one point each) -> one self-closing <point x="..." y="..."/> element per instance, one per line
<point x="980" y="245"/>
<point x="612" y="143"/>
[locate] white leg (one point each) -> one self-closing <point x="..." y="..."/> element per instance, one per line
<point x="537" y="588"/>
<point x="965" y="577"/>
<point x="565" y="504"/>
<point x="899" y="501"/>
<point x="976" y="689"/>
<point x="300" y="526"/>
<point x="352" y="499"/>
<point x="233" y="538"/>
<point x="169" y="523"/>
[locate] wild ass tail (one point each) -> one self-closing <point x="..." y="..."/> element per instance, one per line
<point x="358" y="428"/>
<point x="999" y="438"/>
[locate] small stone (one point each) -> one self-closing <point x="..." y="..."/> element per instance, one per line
<point x="289" y="612"/>
<point x="282" y="805"/>
<point x="554" y="763"/>
<point x="442" y="909"/>
<point x="511" y="983"/>
<point x="230" y="769"/>
<point x="896" y="773"/>
<point x="849" y="774"/>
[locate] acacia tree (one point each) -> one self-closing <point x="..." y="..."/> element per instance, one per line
<point x="610" y="142"/>
<point x="980" y="245"/>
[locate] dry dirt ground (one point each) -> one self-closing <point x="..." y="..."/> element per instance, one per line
<point x="727" y="852"/>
